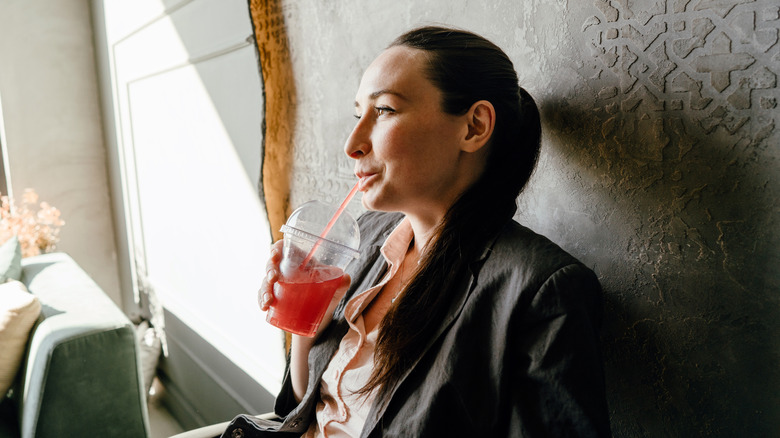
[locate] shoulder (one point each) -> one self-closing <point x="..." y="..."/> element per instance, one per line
<point x="532" y="259"/>
<point x="519" y="245"/>
<point x="525" y="270"/>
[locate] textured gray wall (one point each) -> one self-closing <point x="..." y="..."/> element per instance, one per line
<point x="659" y="170"/>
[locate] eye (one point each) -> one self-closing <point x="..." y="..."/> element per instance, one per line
<point x="383" y="110"/>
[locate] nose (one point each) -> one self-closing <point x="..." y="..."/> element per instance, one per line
<point x="358" y="144"/>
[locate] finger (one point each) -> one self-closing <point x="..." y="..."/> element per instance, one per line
<point x="265" y="293"/>
<point x="261" y="292"/>
<point x="268" y="299"/>
<point x="272" y="275"/>
<point x="274" y="255"/>
<point x="265" y="299"/>
<point x="276" y="251"/>
<point x="273" y="263"/>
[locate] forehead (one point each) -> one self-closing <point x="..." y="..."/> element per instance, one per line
<point x="398" y="69"/>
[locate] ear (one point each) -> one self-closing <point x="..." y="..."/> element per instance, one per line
<point x="481" y="120"/>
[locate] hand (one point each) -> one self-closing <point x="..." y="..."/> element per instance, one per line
<point x="265" y="296"/>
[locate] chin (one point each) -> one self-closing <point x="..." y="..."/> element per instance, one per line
<point x="380" y="201"/>
<point x="372" y="206"/>
<point x="372" y="203"/>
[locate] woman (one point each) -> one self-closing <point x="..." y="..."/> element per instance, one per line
<point x="456" y="320"/>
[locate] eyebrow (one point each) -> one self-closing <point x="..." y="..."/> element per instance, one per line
<point x="376" y="94"/>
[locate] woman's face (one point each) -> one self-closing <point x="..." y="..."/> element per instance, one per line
<point x="406" y="148"/>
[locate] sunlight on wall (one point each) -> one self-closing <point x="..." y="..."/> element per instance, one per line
<point x="205" y="232"/>
<point x="189" y="105"/>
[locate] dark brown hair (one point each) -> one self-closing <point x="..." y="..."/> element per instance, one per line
<point x="466" y="68"/>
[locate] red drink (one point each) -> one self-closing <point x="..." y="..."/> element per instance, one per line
<point x="306" y="287"/>
<point x="302" y="298"/>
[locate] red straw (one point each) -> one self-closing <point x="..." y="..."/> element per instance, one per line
<point x="330" y="224"/>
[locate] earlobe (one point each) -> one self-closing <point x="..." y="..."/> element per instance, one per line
<point x="481" y="119"/>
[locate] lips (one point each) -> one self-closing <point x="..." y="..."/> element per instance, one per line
<point x="365" y="178"/>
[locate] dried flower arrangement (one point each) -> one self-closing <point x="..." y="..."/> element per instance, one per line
<point x="37" y="226"/>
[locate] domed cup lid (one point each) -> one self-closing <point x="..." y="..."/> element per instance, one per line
<point x="310" y="219"/>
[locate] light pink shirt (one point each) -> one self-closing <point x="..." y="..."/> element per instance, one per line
<point x="340" y="412"/>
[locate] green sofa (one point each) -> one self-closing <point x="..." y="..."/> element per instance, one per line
<point x="81" y="375"/>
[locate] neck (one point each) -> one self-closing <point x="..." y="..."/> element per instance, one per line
<point x="424" y="219"/>
<point x="422" y="229"/>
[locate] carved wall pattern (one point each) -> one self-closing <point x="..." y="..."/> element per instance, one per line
<point x="683" y="68"/>
<point x="681" y="109"/>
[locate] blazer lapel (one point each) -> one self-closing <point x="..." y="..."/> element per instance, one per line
<point x="328" y="341"/>
<point x="459" y="298"/>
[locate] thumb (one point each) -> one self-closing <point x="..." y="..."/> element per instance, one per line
<point x="346" y="280"/>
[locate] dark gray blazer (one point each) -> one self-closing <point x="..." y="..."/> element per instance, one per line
<point x="516" y="356"/>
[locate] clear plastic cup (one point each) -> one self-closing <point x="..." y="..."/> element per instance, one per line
<point x="312" y="266"/>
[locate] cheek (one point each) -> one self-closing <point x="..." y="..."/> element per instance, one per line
<point x="397" y="146"/>
<point x="414" y="151"/>
<point x="420" y="140"/>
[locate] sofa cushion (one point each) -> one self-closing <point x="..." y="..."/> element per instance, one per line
<point x="19" y="310"/>
<point x="82" y="361"/>
<point x="10" y="260"/>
